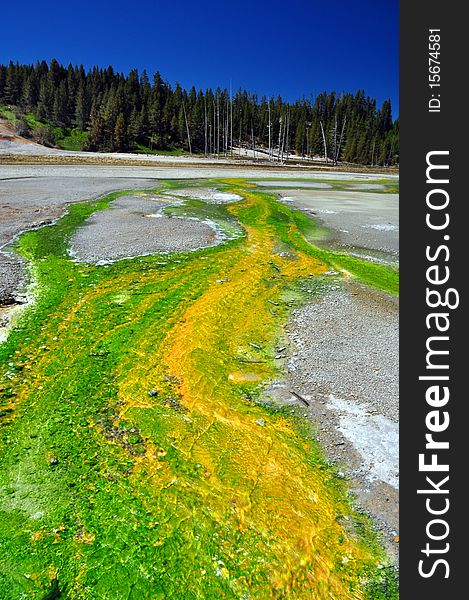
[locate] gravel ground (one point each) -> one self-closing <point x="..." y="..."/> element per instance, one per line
<point x="292" y="184"/>
<point x="135" y="226"/>
<point x="366" y="186"/>
<point x="11" y="278"/>
<point x="272" y="183"/>
<point x="31" y="202"/>
<point x="348" y="346"/>
<point x="209" y="195"/>
<point x="182" y="171"/>
<point x="343" y="361"/>
<point x="24" y="148"/>
<point x="365" y="220"/>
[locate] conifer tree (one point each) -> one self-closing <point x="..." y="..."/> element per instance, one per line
<point x="129" y="109"/>
<point x="120" y="133"/>
<point x="96" y="130"/>
<point x="81" y="110"/>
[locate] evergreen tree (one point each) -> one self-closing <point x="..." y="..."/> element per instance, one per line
<point x="81" y="109"/>
<point x="60" y="116"/>
<point x="11" y="92"/>
<point x="30" y="93"/>
<point x="96" y="130"/>
<point x="127" y="110"/>
<point x="120" y="133"/>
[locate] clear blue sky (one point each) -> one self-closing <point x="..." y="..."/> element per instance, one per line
<point x="294" y="48"/>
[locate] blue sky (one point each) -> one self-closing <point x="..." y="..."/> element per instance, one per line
<point x="294" y="48"/>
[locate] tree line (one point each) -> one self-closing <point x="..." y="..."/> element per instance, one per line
<point x="129" y="112"/>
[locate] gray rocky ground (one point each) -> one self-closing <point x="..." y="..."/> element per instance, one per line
<point x="183" y="171"/>
<point x="135" y="226"/>
<point x="358" y="220"/>
<point x="29" y="202"/>
<point x="342" y="371"/>
<point x="209" y="195"/>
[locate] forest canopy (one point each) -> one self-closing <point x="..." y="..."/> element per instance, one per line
<point x="103" y="110"/>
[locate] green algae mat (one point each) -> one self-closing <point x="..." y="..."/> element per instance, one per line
<point x="136" y="460"/>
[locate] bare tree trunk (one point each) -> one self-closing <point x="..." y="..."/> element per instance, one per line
<point x="214" y="129"/>
<point x="324" y="141"/>
<point x="227" y="127"/>
<point x="209" y="132"/>
<point x="279" y="138"/>
<point x="231" y="125"/>
<point x="270" y="142"/>
<point x="373" y="154"/>
<point x="253" y="143"/>
<point x="218" y="125"/>
<point x="210" y="138"/>
<point x="205" y="128"/>
<point x="187" y="127"/>
<point x="341" y="139"/>
<point x="334" y="149"/>
<point x="288" y="133"/>
<point x="222" y="128"/>
<point x="284" y="133"/>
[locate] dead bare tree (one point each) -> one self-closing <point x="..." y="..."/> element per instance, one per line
<point x="252" y="138"/>
<point x="308" y="133"/>
<point x="227" y="126"/>
<point x="338" y="140"/>
<point x="214" y="128"/>
<point x="223" y="144"/>
<point x="205" y="127"/>
<point x="341" y="140"/>
<point x="210" y="136"/>
<point x="218" y="124"/>
<point x="270" y="142"/>
<point x="324" y="141"/>
<point x="285" y="135"/>
<point x="187" y="127"/>
<point x="279" y="137"/>
<point x="287" y="143"/>
<point x="334" y="147"/>
<point x="231" y="125"/>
